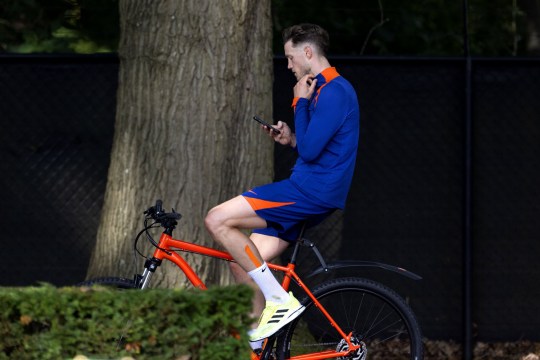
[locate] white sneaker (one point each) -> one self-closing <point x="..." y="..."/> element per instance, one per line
<point x="275" y="316"/>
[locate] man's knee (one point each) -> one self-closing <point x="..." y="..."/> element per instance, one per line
<point x="213" y="220"/>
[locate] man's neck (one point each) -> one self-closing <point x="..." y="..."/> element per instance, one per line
<point x="318" y="66"/>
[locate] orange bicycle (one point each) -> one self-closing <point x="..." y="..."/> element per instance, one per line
<point x="345" y="317"/>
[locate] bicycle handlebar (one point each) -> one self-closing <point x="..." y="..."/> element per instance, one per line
<point x="165" y="219"/>
<point x="156" y="212"/>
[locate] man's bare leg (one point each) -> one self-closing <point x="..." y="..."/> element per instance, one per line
<point x="269" y="247"/>
<point x="224" y="223"/>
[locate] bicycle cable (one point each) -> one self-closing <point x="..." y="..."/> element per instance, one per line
<point x="145" y="230"/>
<point x="149" y="237"/>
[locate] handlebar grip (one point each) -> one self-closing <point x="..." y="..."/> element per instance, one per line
<point x="159" y="206"/>
<point x="174" y="215"/>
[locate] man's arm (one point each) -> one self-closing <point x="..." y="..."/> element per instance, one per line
<point x="313" y="134"/>
<point x="285" y="136"/>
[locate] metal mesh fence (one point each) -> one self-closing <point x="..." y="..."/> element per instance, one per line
<point x="405" y="207"/>
<point x="506" y="198"/>
<point x="57" y="125"/>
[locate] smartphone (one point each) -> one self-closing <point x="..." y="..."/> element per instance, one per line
<point x="261" y="121"/>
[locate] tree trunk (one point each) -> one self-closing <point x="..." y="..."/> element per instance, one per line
<point x="192" y="74"/>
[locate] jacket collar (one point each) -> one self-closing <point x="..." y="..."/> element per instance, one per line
<point x="326" y="76"/>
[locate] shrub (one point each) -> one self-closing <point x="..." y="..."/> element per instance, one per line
<point x="49" y="323"/>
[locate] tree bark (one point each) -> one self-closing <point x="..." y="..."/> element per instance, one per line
<point x="192" y="74"/>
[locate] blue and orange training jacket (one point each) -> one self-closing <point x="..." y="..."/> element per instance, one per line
<point x="327" y="132"/>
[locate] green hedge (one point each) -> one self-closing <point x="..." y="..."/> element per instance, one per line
<point x="49" y="323"/>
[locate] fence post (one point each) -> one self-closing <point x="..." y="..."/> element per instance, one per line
<point x="467" y="223"/>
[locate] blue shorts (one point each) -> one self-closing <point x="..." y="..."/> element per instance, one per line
<point x="285" y="209"/>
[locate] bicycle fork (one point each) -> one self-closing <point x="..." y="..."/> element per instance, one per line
<point x="150" y="266"/>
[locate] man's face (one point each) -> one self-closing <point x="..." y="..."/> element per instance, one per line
<point x="297" y="60"/>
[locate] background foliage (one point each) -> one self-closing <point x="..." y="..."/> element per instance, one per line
<point x="374" y="27"/>
<point x="61" y="26"/>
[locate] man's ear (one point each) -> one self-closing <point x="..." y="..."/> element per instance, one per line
<point x="308" y="51"/>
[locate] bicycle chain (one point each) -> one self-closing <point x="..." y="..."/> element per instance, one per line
<point x="317" y="344"/>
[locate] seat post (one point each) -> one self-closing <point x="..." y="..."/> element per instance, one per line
<point x="298" y="244"/>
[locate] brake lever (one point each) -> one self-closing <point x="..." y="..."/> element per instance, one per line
<point x="150" y="211"/>
<point x="175" y="215"/>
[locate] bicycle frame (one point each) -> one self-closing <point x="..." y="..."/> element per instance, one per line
<point x="167" y="248"/>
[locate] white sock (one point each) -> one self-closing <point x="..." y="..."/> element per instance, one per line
<point x="268" y="284"/>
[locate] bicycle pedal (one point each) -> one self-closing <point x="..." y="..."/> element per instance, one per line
<point x="263" y="356"/>
<point x="256" y="354"/>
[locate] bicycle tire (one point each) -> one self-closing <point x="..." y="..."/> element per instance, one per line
<point x="378" y="317"/>
<point x="113" y="282"/>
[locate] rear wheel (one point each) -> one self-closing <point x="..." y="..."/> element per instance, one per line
<point x="380" y="321"/>
<point x="113" y="282"/>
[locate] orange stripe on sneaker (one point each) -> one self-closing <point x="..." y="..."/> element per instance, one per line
<point x="258" y="204"/>
<point x="252" y="257"/>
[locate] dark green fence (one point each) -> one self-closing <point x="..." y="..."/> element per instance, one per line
<point x="408" y="204"/>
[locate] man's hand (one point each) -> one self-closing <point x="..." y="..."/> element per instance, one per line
<point x="305" y="87"/>
<point x="285" y="136"/>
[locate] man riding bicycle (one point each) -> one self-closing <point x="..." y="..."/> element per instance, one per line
<point x="326" y="116"/>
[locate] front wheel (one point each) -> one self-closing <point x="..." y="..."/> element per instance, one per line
<point x="112" y="282"/>
<point x="380" y="321"/>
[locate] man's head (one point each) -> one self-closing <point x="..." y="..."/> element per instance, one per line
<point x="307" y="33"/>
<point x="305" y="48"/>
